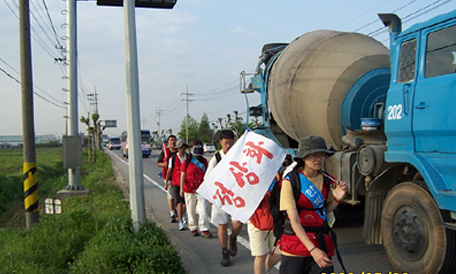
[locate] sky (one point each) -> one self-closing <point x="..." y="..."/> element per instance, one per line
<point x="200" y="46"/>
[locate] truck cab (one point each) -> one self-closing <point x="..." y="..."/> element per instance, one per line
<point x="418" y="118"/>
<point x="421" y="136"/>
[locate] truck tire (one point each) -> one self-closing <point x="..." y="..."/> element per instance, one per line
<point x="413" y="235"/>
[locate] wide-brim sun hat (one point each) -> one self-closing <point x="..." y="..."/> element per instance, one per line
<point x="180" y="143"/>
<point x="197" y="150"/>
<point x="312" y="144"/>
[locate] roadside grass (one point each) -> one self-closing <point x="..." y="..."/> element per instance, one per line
<point x="94" y="233"/>
<point x="51" y="178"/>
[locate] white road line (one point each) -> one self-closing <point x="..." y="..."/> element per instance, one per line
<point x="145" y="176"/>
<point x="244" y="242"/>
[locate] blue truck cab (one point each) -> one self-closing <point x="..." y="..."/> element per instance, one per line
<point x="421" y="133"/>
<point x="419" y="121"/>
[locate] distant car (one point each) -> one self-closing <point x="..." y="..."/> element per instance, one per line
<point x="105" y="139"/>
<point x="114" y="143"/>
<point x="209" y="148"/>
<point x="157" y="146"/>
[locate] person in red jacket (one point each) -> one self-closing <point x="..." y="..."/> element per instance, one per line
<point x="174" y="175"/>
<point x="168" y="151"/>
<point x="192" y="175"/>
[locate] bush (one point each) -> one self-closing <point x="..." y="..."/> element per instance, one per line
<point x="116" y="249"/>
<point x="94" y="233"/>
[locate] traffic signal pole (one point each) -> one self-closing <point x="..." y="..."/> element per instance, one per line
<point x="135" y="163"/>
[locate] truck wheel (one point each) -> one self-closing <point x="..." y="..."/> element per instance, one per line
<point x="412" y="231"/>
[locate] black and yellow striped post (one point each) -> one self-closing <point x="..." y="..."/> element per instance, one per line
<point x="31" y="193"/>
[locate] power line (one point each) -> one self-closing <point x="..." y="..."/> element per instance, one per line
<point x="52" y="25"/>
<point x="35" y="35"/>
<point x="407" y="18"/>
<point x="376" y="20"/>
<point x="36" y="93"/>
<point x="35" y="14"/>
<point x="364" y="13"/>
<point x="12" y="77"/>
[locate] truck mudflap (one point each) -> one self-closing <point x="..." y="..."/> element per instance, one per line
<point x="376" y="193"/>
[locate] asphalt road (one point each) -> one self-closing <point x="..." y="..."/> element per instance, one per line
<point x="201" y="255"/>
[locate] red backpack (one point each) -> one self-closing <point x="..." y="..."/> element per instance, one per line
<point x="166" y="153"/>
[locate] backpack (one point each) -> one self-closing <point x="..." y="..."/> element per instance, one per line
<point x="279" y="217"/>
<point x="166" y="154"/>
<point x="173" y="163"/>
<point x="218" y="157"/>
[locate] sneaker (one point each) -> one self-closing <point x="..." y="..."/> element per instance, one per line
<point x="181" y="225"/>
<point x="185" y="220"/>
<point x="225" y="257"/>
<point x="206" y="234"/>
<point x="173" y="219"/>
<point x="194" y="233"/>
<point x="232" y="244"/>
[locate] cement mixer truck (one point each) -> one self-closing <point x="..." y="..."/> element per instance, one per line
<point x="388" y="115"/>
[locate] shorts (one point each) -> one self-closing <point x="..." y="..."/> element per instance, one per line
<point x="261" y="241"/>
<point x="220" y="217"/>
<point x="297" y="265"/>
<point x="170" y="192"/>
<point x="179" y="198"/>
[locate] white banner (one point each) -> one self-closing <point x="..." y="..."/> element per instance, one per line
<point x="239" y="181"/>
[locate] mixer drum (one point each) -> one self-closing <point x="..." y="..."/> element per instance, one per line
<point x="312" y="77"/>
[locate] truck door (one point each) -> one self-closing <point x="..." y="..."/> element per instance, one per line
<point x="434" y="119"/>
<point x="398" y="116"/>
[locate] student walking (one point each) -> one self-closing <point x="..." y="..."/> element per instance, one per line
<point x="218" y="216"/>
<point x="174" y="176"/>
<point x="306" y="246"/>
<point x="168" y="151"/>
<point x="192" y="175"/>
<point x="261" y="238"/>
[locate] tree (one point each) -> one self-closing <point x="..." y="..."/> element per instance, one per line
<point x="91" y="144"/>
<point x="235" y="123"/>
<point x="205" y="132"/>
<point x="192" y="129"/>
<point x="97" y="131"/>
<point x="155" y="137"/>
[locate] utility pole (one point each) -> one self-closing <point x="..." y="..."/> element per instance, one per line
<point x="72" y="144"/>
<point x="28" y="126"/>
<point x="72" y="86"/>
<point x="159" y="112"/>
<point x="187" y="116"/>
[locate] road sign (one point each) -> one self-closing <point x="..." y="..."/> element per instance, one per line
<point x="110" y="123"/>
<point x="53" y="206"/>
<point x="160" y="4"/>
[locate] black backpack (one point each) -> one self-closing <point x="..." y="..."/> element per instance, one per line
<point x="279" y="217"/>
<point x="218" y="157"/>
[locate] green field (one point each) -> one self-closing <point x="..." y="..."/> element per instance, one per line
<point x="94" y="233"/>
